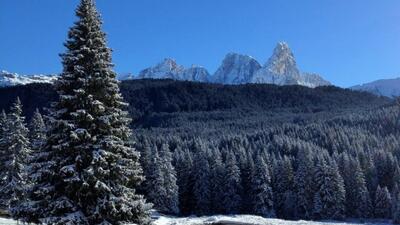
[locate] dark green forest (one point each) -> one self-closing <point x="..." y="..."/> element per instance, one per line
<point x="278" y="151"/>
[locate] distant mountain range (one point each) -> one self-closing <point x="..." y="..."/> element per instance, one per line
<point x="12" y="79"/>
<point x="384" y="87"/>
<point x="280" y="69"/>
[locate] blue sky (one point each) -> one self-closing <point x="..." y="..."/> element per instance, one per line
<point x="347" y="41"/>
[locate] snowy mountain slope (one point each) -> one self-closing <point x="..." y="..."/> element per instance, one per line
<point x="12" y="79"/>
<point x="169" y="69"/>
<point x="384" y="87"/>
<point x="281" y="69"/>
<point x="236" y="69"/>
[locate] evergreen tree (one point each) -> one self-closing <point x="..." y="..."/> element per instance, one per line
<point x="88" y="171"/>
<point x="3" y="152"/>
<point x="16" y="144"/>
<point x="383" y="203"/>
<point x="37" y="131"/>
<point x="362" y="199"/>
<point x="155" y="182"/>
<point x="261" y="191"/>
<point x="201" y="183"/>
<point x="217" y="177"/>
<point x="184" y="167"/>
<point x="232" y="186"/>
<point x="329" y="199"/>
<point x="171" y="198"/>
<point x="283" y="189"/>
<point x="396" y="214"/>
<point x="303" y="184"/>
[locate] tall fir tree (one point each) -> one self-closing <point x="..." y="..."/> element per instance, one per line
<point x="329" y="199"/>
<point x="171" y="198"/>
<point x="232" y="185"/>
<point x="283" y="189"/>
<point x="261" y="189"/>
<point x="303" y="184"/>
<point x="88" y="171"/>
<point x="396" y="213"/>
<point x="16" y="144"/>
<point x="201" y="182"/>
<point x="37" y="132"/>
<point x="383" y="203"/>
<point x="3" y="152"/>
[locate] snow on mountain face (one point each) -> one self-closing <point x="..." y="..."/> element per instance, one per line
<point x="313" y="80"/>
<point x="13" y="79"/>
<point x="384" y="87"/>
<point x="169" y="69"/>
<point x="236" y="69"/>
<point x="195" y="73"/>
<point x="281" y="69"/>
<point x="166" y="69"/>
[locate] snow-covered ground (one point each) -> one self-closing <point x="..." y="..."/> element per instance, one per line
<point x="227" y="220"/>
<point x="242" y="220"/>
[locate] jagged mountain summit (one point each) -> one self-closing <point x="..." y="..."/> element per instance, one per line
<point x="13" y="79"/>
<point x="384" y="87"/>
<point x="169" y="69"/>
<point x="236" y="69"/>
<point x="281" y="69"/>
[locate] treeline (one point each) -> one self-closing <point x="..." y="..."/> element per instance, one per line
<point x="148" y="99"/>
<point x="333" y="168"/>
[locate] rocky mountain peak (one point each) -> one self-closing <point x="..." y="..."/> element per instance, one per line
<point x="236" y="69"/>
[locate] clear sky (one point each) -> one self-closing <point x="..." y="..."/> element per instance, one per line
<point x="347" y="41"/>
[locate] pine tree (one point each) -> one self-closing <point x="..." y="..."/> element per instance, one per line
<point x="261" y="191"/>
<point x="3" y="152"/>
<point x="184" y="167"/>
<point x="303" y="184"/>
<point x="171" y="198"/>
<point x="17" y="150"/>
<point x="396" y="214"/>
<point x="283" y="189"/>
<point x="88" y="171"/>
<point x="383" y="203"/>
<point x="362" y="199"/>
<point x="155" y="182"/>
<point x="201" y="185"/>
<point x="232" y="185"/>
<point x="37" y="132"/>
<point x="217" y="177"/>
<point x="329" y="199"/>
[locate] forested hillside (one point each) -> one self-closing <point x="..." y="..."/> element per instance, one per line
<point x="148" y="97"/>
<point x="277" y="151"/>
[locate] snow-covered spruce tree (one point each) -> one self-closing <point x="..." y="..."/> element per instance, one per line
<point x="303" y="184"/>
<point x="261" y="190"/>
<point x="201" y="183"/>
<point x="171" y="199"/>
<point x="396" y="213"/>
<point x="217" y="177"/>
<point x="383" y="203"/>
<point x="183" y="164"/>
<point x="329" y="199"/>
<point x="363" y="204"/>
<point x="283" y="189"/>
<point x="156" y="192"/>
<point x="231" y="199"/>
<point x="17" y="150"/>
<point x="3" y="153"/>
<point x="37" y="131"/>
<point x="88" y="171"/>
